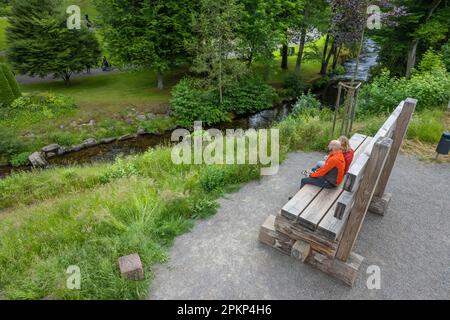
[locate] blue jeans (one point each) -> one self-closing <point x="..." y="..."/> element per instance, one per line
<point x="320" y="182"/>
<point x="318" y="166"/>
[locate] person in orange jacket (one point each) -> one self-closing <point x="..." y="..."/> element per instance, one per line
<point x="331" y="174"/>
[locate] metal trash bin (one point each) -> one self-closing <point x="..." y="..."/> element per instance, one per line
<point x="444" y="145"/>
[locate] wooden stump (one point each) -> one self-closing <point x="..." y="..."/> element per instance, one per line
<point x="380" y="205"/>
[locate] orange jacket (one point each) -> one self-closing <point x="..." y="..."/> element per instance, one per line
<point x="333" y="170"/>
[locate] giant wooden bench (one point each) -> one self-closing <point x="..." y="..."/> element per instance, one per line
<point x="320" y="226"/>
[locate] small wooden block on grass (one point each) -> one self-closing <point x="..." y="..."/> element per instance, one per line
<point x="131" y="267"/>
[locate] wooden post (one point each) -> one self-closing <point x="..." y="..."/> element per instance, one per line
<point x="399" y="134"/>
<point x="336" y="108"/>
<point x="363" y="197"/>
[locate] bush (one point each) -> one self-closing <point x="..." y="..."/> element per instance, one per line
<point x="20" y="159"/>
<point x="249" y="94"/>
<point x="212" y="178"/>
<point x="190" y="102"/>
<point x="431" y="89"/>
<point x="431" y="62"/>
<point x="7" y="90"/>
<point x="9" y="143"/>
<point x="158" y="125"/>
<point x="306" y="103"/>
<point x="445" y="53"/>
<point x="64" y="138"/>
<point x="294" y="86"/>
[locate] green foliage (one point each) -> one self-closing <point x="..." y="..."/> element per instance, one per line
<point x="6" y="93"/>
<point x="431" y="62"/>
<point x="34" y="107"/>
<point x="306" y="104"/>
<point x="40" y="42"/>
<point x="249" y="94"/>
<point x="10" y="143"/>
<point x="158" y="125"/>
<point x="64" y="138"/>
<point x="294" y="86"/>
<point x="191" y="102"/>
<point x="11" y="80"/>
<point x="385" y="92"/>
<point x="212" y="178"/>
<point x="427" y="126"/>
<point x="148" y="34"/>
<point x="445" y="53"/>
<point x="120" y="169"/>
<point x="20" y="159"/>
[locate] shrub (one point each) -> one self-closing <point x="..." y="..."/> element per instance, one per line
<point x="34" y="107"/>
<point x="64" y="138"/>
<point x="445" y="52"/>
<point x="431" y="62"/>
<point x="431" y="89"/>
<point x="306" y="103"/>
<point x="9" y="143"/>
<point x="294" y="86"/>
<point x="7" y="93"/>
<point x="20" y="159"/>
<point x="158" y="125"/>
<point x="212" y="178"/>
<point x="190" y="102"/>
<point x="249" y="94"/>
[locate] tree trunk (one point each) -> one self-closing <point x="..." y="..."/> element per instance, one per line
<point x="301" y="49"/>
<point x="327" y="60"/>
<point x="284" y="57"/>
<point x="323" y="68"/>
<point x="337" y="53"/>
<point x="414" y="44"/>
<point x="66" y="77"/>
<point x="411" y="57"/>
<point x="160" y="79"/>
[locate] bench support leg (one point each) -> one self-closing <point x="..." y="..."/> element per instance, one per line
<point x="380" y="205"/>
<point x="344" y="271"/>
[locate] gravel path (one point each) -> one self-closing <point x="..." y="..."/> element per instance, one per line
<point x="222" y="259"/>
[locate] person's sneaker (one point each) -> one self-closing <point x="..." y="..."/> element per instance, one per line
<point x="305" y="173"/>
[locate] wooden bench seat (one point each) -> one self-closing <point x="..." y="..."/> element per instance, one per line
<point x="320" y="226"/>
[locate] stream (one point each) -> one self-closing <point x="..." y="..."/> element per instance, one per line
<point x="263" y="119"/>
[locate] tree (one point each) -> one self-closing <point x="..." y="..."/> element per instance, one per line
<point x="149" y="34"/>
<point x="316" y="14"/>
<point x="409" y="29"/>
<point x="40" y="42"/>
<point x="289" y="17"/>
<point x="216" y="43"/>
<point x="12" y="82"/>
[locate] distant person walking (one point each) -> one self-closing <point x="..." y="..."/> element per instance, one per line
<point x="105" y="64"/>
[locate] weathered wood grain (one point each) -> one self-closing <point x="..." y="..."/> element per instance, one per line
<point x="297" y="232"/>
<point x="363" y="197"/>
<point x="268" y="235"/>
<point x="300" y="250"/>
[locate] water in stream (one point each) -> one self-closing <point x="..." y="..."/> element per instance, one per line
<point x="263" y="119"/>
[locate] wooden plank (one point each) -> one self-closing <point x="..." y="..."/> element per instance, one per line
<point x="297" y="232"/>
<point x="294" y="208"/>
<point x="363" y="197"/>
<point x="268" y="235"/>
<point x="317" y="210"/>
<point x="300" y="201"/>
<point x="300" y="250"/>
<point x="397" y="137"/>
<point x="343" y="271"/>
<point x="356" y="170"/>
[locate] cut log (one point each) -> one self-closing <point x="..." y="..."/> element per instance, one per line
<point x="380" y="205"/>
<point x="300" y="250"/>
